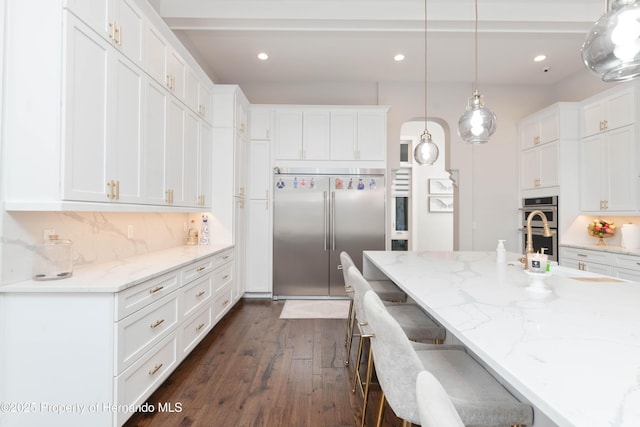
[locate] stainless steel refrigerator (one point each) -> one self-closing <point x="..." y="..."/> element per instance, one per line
<point x="317" y="215"/>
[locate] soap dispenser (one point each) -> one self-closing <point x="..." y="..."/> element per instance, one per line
<point x="501" y="253"/>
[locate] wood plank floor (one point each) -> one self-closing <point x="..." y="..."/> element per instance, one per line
<point x="254" y="369"/>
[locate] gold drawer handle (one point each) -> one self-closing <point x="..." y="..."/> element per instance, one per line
<point x="156" y="289"/>
<point x="225" y="302"/>
<point x="226" y="257"/>
<point x="155" y="369"/>
<point x="199" y="269"/>
<point x="226" y="276"/>
<point x="199" y="294"/>
<point x="582" y="255"/>
<point x="200" y="326"/>
<point x="157" y="323"/>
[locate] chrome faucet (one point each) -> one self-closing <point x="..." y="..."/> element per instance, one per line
<point x="545" y="232"/>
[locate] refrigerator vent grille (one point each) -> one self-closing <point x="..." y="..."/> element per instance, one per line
<point x="401" y="185"/>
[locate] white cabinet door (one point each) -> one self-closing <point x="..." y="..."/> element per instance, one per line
<point x="259" y="173"/>
<point x="153" y="171"/>
<point x="94" y="13"/>
<point x="593" y="173"/>
<point x="530" y="170"/>
<point x="128" y="30"/>
<point x="608" y="165"/>
<point x="609" y="111"/>
<point x="622" y="193"/>
<point x="289" y="135"/>
<point x="372" y="136"/>
<point x="155" y="54"/>
<point x="239" y="239"/>
<point x="240" y="165"/>
<point x="258" y="273"/>
<point x="87" y="92"/>
<point x="344" y="135"/>
<point x="191" y="141"/>
<point x="174" y="153"/>
<point x="191" y="87"/>
<point x="260" y="123"/>
<point x="205" y="108"/>
<point x="548" y="164"/>
<point x="176" y="70"/>
<point x="315" y="135"/>
<point x="124" y="150"/>
<point x="204" y="167"/>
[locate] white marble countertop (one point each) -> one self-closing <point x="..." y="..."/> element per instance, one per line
<point x="574" y="353"/>
<point x="118" y="275"/>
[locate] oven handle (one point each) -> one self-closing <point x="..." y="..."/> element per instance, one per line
<point x="539" y="208"/>
<point x="538" y="230"/>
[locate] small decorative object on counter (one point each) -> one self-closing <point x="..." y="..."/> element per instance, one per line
<point x="601" y="228"/>
<point x="204" y="230"/>
<point x="53" y="259"/>
<point x="192" y="234"/>
<point x="501" y="253"/>
<point x="538" y="262"/>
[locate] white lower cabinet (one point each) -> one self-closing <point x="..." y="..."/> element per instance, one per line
<point x="106" y="350"/>
<point x="622" y="266"/>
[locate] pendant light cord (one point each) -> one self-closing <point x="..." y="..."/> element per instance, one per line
<point x="476" y="47"/>
<point x="425" y="66"/>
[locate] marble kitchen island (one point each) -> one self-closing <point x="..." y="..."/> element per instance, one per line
<point x="573" y="353"/>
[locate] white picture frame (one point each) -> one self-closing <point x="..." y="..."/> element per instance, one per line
<point x="440" y="186"/>
<point x="440" y="204"/>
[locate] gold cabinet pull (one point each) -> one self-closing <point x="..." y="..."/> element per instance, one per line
<point x="110" y="194"/>
<point x="225" y="277"/>
<point x="225" y="302"/>
<point x="117" y="186"/>
<point x="199" y="269"/>
<point x="112" y="30"/>
<point x="156" y="289"/>
<point x="118" y="33"/>
<point x="155" y="369"/>
<point x="156" y="323"/>
<point x="200" y="326"/>
<point x="199" y="294"/>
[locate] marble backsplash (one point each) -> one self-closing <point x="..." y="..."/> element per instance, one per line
<point x="97" y="236"/>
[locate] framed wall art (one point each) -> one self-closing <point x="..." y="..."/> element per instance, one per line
<point x="440" y="186"/>
<point x="440" y="204"/>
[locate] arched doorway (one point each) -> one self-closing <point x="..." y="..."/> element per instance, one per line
<point x="431" y="218"/>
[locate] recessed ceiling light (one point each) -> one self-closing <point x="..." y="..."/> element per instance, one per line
<point x="263" y="56"/>
<point x="540" y="58"/>
<point x="399" y="57"/>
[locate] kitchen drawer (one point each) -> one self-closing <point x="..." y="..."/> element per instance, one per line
<point x="138" y="332"/>
<point x="196" y="294"/>
<point x="626" y="274"/>
<point x="136" y="297"/>
<point x="137" y="383"/>
<point x="196" y="270"/>
<point x="223" y="301"/>
<point x="195" y="328"/>
<point x="627" y="261"/>
<point x="586" y="255"/>
<point x="222" y="258"/>
<point x="222" y="276"/>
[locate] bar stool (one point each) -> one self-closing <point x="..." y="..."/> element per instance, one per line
<point x="434" y="405"/>
<point x="386" y="290"/>
<point x="479" y="399"/>
<point x="414" y="323"/>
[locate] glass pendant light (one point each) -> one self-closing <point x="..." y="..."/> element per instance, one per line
<point x="426" y="152"/>
<point x="611" y="49"/>
<point x="477" y="123"/>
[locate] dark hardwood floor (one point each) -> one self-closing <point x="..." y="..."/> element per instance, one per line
<point x="254" y="369"/>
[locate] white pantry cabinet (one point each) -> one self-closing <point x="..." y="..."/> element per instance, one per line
<point x="108" y="348"/>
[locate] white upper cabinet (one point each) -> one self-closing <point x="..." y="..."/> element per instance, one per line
<point x="608" y="111"/>
<point x="545" y="138"/>
<point x="260" y="123"/>
<point x="331" y="134"/>
<point x="110" y="134"/>
<point x="119" y="21"/>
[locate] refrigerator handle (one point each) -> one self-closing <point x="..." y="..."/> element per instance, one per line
<point x="324" y="219"/>
<point x="333" y="220"/>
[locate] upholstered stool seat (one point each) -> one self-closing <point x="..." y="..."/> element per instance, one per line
<point x="434" y="405"/>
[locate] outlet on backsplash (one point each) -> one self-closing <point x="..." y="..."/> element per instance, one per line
<point x="46" y="233"/>
<point x="130" y="232"/>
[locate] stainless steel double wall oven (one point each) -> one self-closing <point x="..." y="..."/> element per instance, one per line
<point x="549" y="206"/>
